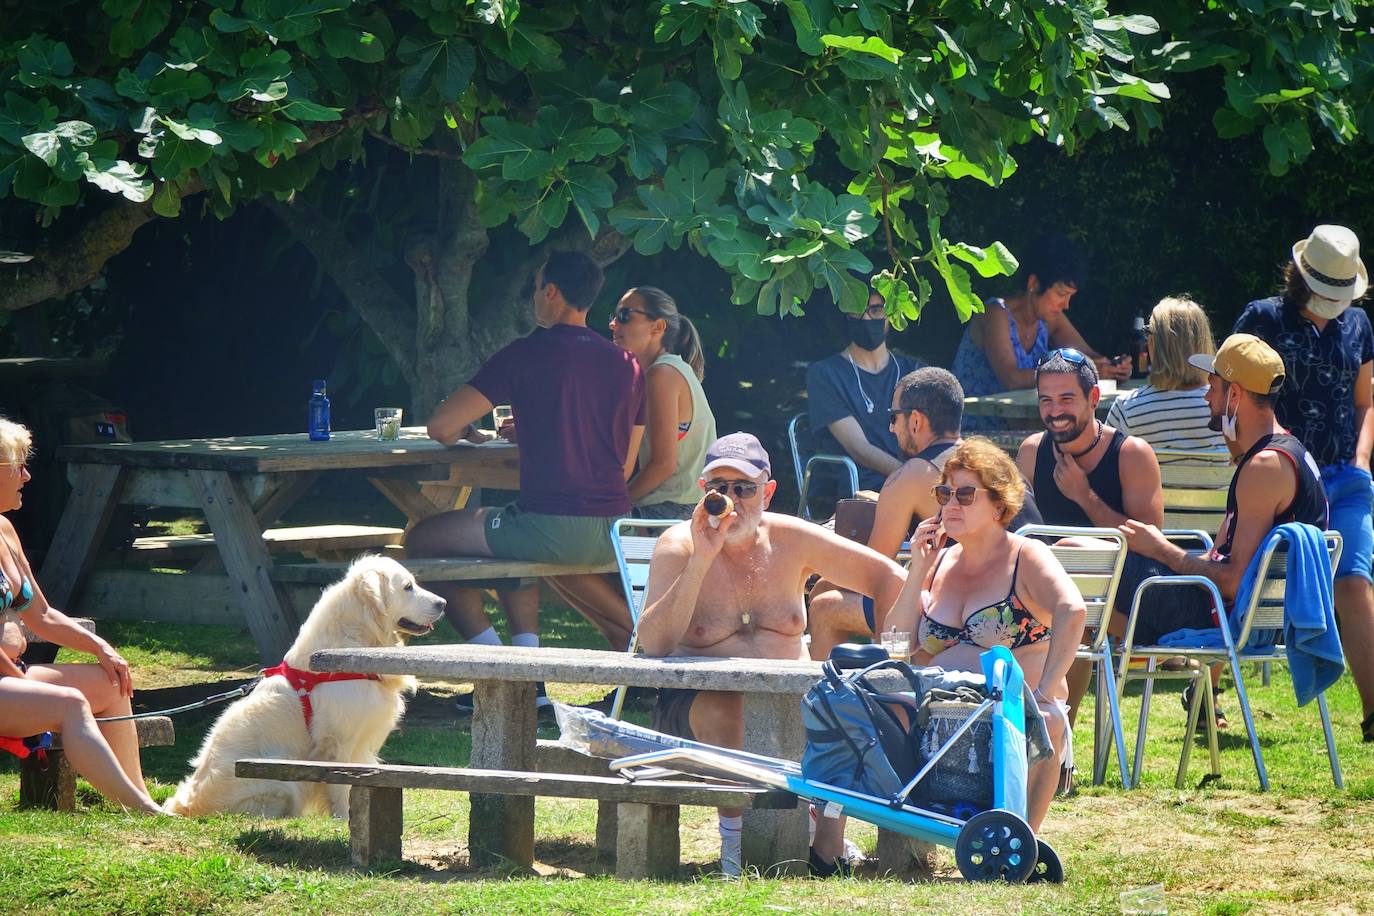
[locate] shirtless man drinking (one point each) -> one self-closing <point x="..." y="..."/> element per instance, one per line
<point x="735" y="590"/>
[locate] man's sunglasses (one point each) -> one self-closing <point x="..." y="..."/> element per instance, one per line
<point x="965" y="495"/>
<point x="742" y="489"/>
<point x="622" y="314"/>
<point x="1068" y="354"/>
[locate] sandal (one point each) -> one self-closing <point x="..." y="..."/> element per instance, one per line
<point x="1222" y="723"/>
<point x="1367" y="727"/>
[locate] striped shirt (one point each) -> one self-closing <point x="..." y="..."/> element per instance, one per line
<point x="1166" y="419"/>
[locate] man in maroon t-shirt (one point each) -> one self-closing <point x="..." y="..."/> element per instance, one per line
<point x="579" y="403"/>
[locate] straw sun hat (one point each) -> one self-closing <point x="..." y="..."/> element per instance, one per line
<point x="1329" y="260"/>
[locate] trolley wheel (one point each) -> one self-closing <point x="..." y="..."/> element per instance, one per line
<point x="995" y="846"/>
<point x="1048" y="868"/>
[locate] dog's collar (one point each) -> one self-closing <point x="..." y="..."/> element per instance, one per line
<point x="303" y="682"/>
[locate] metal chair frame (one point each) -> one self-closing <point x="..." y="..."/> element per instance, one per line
<point x="1265" y="612"/>
<point x="632" y="555"/>
<point x="803" y="470"/>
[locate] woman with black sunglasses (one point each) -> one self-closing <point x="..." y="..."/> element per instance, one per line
<point x="993" y="588"/>
<point x="679" y="424"/>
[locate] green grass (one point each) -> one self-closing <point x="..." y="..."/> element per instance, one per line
<point x="1221" y="847"/>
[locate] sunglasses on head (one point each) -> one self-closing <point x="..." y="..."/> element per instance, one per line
<point x="1068" y="354"/>
<point x="965" y="495"/>
<point x="622" y="314"/>
<point x="742" y="489"/>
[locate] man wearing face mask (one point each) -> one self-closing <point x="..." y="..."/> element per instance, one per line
<point x="1276" y="481"/>
<point x="848" y="393"/>
<point x="1327" y="349"/>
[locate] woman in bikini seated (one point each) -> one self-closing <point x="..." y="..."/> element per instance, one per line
<point x="993" y="588"/>
<point x="60" y="698"/>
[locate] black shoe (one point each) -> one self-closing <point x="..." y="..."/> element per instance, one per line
<point x="1367" y="727"/>
<point x="640" y="698"/>
<point x="821" y="869"/>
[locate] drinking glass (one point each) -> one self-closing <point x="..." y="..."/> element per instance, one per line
<point x="898" y="645"/>
<point x="500" y="414"/>
<point x="388" y="423"/>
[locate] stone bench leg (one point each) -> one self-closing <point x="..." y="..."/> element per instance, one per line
<point x="501" y="828"/>
<point x="775" y="841"/>
<point x="647" y="843"/>
<point x="52" y="786"/>
<point x="374" y="825"/>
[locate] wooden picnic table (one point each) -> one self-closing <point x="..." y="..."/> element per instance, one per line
<point x="1022" y="407"/>
<point x="503" y="723"/>
<point x="244" y="484"/>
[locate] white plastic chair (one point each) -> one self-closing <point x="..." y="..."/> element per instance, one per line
<point x="1265" y="613"/>
<point x="633" y="551"/>
<point x="1195" y="485"/>
<point x="803" y="470"/>
<point x="1097" y="573"/>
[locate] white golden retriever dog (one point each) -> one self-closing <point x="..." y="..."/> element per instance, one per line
<point x="377" y="603"/>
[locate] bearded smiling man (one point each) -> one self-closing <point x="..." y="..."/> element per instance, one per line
<point x="1085" y="473"/>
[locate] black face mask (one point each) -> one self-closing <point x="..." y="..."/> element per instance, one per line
<point x="866" y="333"/>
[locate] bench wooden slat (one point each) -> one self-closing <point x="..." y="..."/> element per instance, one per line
<point x="307" y="538"/>
<point x="53" y="785"/>
<point x="511" y="782"/>
<point x="455" y="569"/>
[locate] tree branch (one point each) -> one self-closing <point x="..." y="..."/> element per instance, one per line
<point x="387" y="313"/>
<point x="73" y="263"/>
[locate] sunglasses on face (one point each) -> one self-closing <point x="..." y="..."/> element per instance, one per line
<point x="622" y="314"/>
<point x="894" y="412"/>
<point x="741" y="488"/>
<point x="965" y="495"/>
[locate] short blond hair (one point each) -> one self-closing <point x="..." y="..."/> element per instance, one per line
<point x="16" y="442"/>
<point x="1179" y="328"/>
<point x="995" y="471"/>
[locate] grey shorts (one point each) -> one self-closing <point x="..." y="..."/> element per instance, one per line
<point x="673" y="711"/>
<point x="681" y="511"/>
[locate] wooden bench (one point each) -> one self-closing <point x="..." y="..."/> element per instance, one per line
<point x="647" y="811"/>
<point x="323" y="541"/>
<point x="54" y="785"/>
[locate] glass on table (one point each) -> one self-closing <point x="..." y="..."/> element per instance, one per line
<point x="500" y="414"/>
<point x="388" y="420"/>
<point x="897" y="645"/>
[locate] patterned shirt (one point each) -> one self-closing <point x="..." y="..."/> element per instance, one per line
<point x="971" y="365"/>
<point x="1167" y="419"/>
<point x="1317" y="403"/>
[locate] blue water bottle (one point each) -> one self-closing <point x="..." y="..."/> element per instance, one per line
<point x="319" y="413"/>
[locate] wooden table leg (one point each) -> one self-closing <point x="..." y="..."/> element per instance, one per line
<point x="238" y="538"/>
<point x="407" y="497"/>
<point x="775" y="840"/>
<point x="95" y="493"/>
<point x="501" y="828"/>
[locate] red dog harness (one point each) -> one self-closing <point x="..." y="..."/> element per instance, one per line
<point x="305" y="681"/>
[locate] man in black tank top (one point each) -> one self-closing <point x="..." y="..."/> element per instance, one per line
<point x="1276" y="481"/>
<point x="1085" y="473"/>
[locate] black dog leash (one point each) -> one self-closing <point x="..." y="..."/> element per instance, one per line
<point x="241" y="691"/>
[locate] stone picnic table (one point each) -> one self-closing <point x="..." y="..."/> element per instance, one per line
<point x="504" y="723"/>
<point x="243" y="485"/>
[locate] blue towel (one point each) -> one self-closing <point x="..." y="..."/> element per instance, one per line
<point x="1309" y="613"/>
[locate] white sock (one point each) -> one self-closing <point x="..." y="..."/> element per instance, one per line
<point x="525" y="640"/>
<point x="487" y="637"/>
<point x="731" y="854"/>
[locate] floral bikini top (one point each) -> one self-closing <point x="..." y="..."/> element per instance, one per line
<point x="8" y="601"/>
<point x="1006" y="623"/>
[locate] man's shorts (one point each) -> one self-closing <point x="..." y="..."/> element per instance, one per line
<point x="672" y="712"/>
<point x="1164" y="609"/>
<point x="1349" y="494"/>
<point x="576" y="540"/>
<point x="870" y="613"/>
<point x="664" y="511"/>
